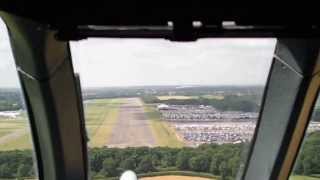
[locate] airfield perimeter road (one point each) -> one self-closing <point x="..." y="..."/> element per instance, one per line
<point x="132" y="128"/>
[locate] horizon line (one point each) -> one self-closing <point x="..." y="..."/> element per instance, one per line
<point x="125" y="86"/>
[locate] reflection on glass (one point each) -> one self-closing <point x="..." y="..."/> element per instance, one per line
<point x="16" y="156"/>
<point x="307" y="165"/>
<point x="179" y="110"/>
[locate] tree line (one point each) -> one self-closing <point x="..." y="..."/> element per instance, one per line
<point x="308" y="161"/>
<point x="220" y="160"/>
<point x="18" y="163"/>
<point x="316" y="114"/>
<point x="10" y="100"/>
<point x="228" y="103"/>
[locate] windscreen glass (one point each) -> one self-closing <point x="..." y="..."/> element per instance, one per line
<point x="171" y="110"/>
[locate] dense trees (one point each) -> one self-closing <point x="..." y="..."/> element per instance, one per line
<point x="183" y="159"/>
<point x="146" y="164"/>
<point x="200" y="163"/>
<point x="316" y="114"/>
<point x="150" y="99"/>
<point x="16" y="164"/>
<point x="10" y="99"/>
<point x="220" y="160"/>
<point x="109" y="167"/>
<point x="25" y="170"/>
<point x="110" y="162"/>
<point x="127" y="164"/>
<point x="308" y="162"/>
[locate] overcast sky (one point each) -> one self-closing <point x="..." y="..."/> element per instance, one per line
<point x="127" y="62"/>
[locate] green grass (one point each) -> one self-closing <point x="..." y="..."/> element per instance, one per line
<point x="296" y="177"/>
<point x="10" y="126"/>
<point x="101" y="115"/>
<point x="4" y="132"/>
<point x="13" y="124"/>
<point x="21" y="142"/>
<point x="102" y="134"/>
<point x="163" y="133"/>
<point x="219" y="97"/>
<point x="96" y="112"/>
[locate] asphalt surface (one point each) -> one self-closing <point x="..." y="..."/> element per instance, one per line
<point x="132" y="128"/>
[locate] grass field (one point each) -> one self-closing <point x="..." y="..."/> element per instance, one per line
<point x="176" y="97"/>
<point x="219" y="97"/>
<point x="163" y="133"/>
<point x="101" y="116"/>
<point x="15" y="133"/>
<point x="4" y="132"/>
<point x="22" y="142"/>
<point x="303" y="178"/>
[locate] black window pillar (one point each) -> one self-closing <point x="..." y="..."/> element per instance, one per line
<point x="50" y="90"/>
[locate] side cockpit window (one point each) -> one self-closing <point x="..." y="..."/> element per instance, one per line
<point x="307" y="165"/>
<point x="16" y="150"/>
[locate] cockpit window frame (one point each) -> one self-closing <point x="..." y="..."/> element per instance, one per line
<point x="42" y="71"/>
